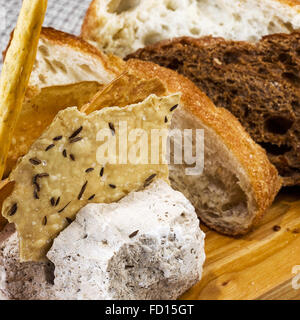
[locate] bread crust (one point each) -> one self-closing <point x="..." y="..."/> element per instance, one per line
<point x="62" y="38"/>
<point x="90" y="22"/>
<point x="263" y="176"/>
<point x="292" y="3"/>
<point x="59" y="37"/>
<point x="111" y="63"/>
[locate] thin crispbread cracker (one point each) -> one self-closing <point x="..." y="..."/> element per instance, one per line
<point x="6" y="188"/>
<point x="39" y="111"/>
<point x="16" y="70"/>
<point x="124" y="90"/>
<point x="64" y="165"/>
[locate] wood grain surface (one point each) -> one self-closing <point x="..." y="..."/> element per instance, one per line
<point x="259" y="265"/>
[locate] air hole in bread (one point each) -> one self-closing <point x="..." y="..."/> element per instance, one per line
<point x="293" y="78"/>
<point x="42" y="78"/>
<point x="271" y="27"/>
<point x="231" y="57"/>
<point x="237" y="17"/>
<point x="120" y="6"/>
<point x="60" y="66"/>
<point x="267" y="58"/>
<point x="296" y="106"/>
<point x="36" y="64"/>
<point x="174" y="64"/>
<point x="289" y="27"/>
<point x="262" y="71"/>
<point x="230" y="81"/>
<point x="237" y="198"/>
<point x="117" y="35"/>
<point x="172" y="5"/>
<point x="44" y="51"/>
<point x="274" y="149"/>
<point x="285" y="58"/>
<point x="50" y="66"/>
<point x="85" y="68"/>
<point x="245" y="109"/>
<point x="195" y="31"/>
<point x="152" y="38"/>
<point x="278" y="125"/>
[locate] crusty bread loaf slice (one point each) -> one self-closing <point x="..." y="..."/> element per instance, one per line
<point x="123" y="26"/>
<point x="64" y="59"/>
<point x="238" y="183"/>
<point x="259" y="83"/>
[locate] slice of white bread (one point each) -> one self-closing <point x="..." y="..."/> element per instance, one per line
<point x="63" y="59"/>
<point x="102" y="256"/>
<point x="238" y="183"/>
<point x="123" y="26"/>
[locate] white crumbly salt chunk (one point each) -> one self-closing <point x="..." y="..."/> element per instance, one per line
<point x="146" y="246"/>
<point x="21" y="281"/>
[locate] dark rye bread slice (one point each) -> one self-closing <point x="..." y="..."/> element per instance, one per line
<point x="259" y="83"/>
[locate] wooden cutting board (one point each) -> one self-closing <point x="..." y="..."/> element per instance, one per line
<point x="259" y="265"/>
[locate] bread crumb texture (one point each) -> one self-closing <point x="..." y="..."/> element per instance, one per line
<point x="63" y="59"/>
<point x="123" y="26"/>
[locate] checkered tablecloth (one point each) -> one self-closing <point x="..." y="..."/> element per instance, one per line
<point x="65" y="15"/>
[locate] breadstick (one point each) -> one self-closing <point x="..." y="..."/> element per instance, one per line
<point x="16" y="70"/>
